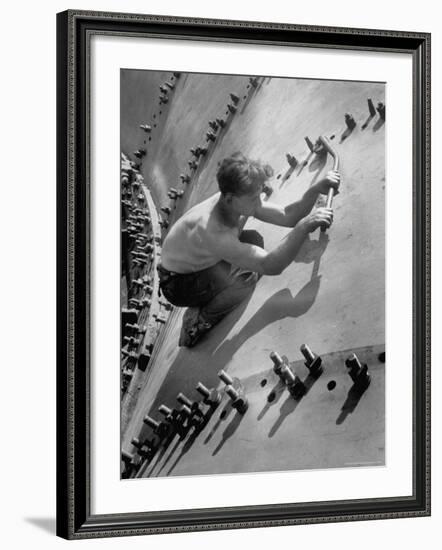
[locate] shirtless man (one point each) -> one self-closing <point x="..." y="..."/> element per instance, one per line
<point x="209" y="265"/>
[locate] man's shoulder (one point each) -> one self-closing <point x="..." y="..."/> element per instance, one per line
<point x="204" y="206"/>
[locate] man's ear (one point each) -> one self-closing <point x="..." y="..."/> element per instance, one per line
<point x="268" y="170"/>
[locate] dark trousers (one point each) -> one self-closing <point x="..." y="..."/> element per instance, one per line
<point x="216" y="290"/>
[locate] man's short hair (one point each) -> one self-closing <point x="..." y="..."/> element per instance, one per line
<point x="240" y="175"/>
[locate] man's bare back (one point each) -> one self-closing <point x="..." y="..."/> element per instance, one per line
<point x="189" y="243"/>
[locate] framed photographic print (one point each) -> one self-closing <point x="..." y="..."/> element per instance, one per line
<point x="243" y="274"/>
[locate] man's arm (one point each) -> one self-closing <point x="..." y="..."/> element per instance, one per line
<point x="290" y="215"/>
<point x="247" y="256"/>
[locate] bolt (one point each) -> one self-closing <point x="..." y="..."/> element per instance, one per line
<point x="166" y="210"/>
<point x="176" y="75"/>
<point x="225" y="377"/>
<point x="139" y="153"/>
<point x="201" y="388"/>
<point x="234" y="98"/>
<point x="213" y="125"/>
<point x="381" y="110"/>
<point x="192" y="405"/>
<point x="163" y="90"/>
<point x="165" y="410"/>
<point x="287" y="375"/>
<point x="239" y="402"/>
<point x="297" y="387"/>
<point x="185" y="410"/>
<point x="350" y="121"/>
<point x="137" y="328"/>
<point x="358" y="372"/>
<point x="127" y="457"/>
<point x="307" y="353"/>
<point x="139" y="304"/>
<point x="177" y="420"/>
<point x="231" y="392"/>
<point x="210" y="136"/>
<point x="210" y="397"/>
<point x="312" y="361"/>
<point x="137" y="225"/>
<point x="127" y="374"/>
<point x="278" y="362"/>
<point x="253" y="82"/>
<point x="192" y="164"/>
<point x="146" y="249"/>
<point x="371" y="107"/>
<point x="185" y="178"/>
<point x="147" y="451"/>
<point x="131" y="341"/>
<point x="291" y="160"/>
<point x="170" y="86"/>
<point x="159" y="428"/>
<point x="232" y="108"/>
<point x="151" y="422"/>
<point x="130" y="354"/>
<point x="146" y="128"/>
<point x="137" y="443"/>
<point x="318" y="147"/>
<point x="221" y="122"/>
<point x="184" y="400"/>
<point x="354" y="365"/>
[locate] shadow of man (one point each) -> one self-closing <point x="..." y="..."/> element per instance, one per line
<point x="202" y="363"/>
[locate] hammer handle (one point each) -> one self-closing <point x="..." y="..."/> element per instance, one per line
<point x="331" y="192"/>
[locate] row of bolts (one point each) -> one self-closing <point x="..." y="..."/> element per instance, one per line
<point x="141" y="256"/>
<point x="191" y="412"/>
<point x="140" y="153"/>
<point x="350" y="122"/>
<point x="164" y="91"/>
<point x="214" y="124"/>
<point x="197" y="152"/>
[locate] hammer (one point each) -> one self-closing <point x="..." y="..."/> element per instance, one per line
<point x="327" y="146"/>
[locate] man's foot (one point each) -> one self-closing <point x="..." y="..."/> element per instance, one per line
<point x="193" y="327"/>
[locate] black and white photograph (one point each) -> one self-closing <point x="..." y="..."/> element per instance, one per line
<point x="243" y="275"/>
<point x="252" y="274"/>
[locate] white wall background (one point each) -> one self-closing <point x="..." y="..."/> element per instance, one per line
<point x="28" y="256"/>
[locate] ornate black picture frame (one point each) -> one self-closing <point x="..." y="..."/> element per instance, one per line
<point x="74" y="32"/>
